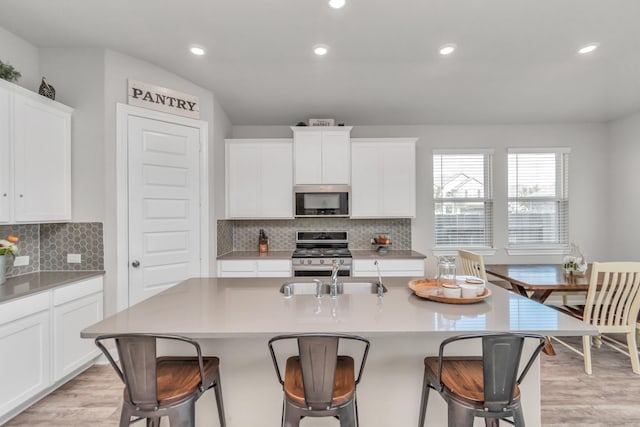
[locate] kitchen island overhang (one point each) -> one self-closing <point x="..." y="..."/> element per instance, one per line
<point x="234" y="319"/>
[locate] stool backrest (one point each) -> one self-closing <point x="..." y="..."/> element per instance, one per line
<point x="318" y="359"/>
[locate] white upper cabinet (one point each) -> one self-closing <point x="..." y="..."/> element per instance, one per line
<point x="322" y="155"/>
<point x="35" y="143"/>
<point x="259" y="181"/>
<point x="383" y="178"/>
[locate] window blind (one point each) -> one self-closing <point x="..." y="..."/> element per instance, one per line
<point x="538" y="198"/>
<point x="463" y="205"/>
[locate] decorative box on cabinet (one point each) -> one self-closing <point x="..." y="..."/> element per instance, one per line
<point x="25" y="355"/>
<point x="259" y="178"/>
<point x="383" y="178"/>
<point x="322" y="154"/>
<point x="35" y="157"/>
<point x="254" y="268"/>
<point x="388" y="267"/>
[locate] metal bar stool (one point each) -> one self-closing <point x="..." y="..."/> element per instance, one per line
<point x="162" y="386"/>
<point x="484" y="386"/>
<point x="318" y="382"/>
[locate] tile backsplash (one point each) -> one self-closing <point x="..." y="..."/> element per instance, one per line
<point x="242" y="235"/>
<point x="47" y="246"/>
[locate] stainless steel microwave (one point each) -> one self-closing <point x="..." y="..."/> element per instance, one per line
<point x="321" y="200"/>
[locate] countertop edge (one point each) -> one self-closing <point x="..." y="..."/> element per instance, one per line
<point x="42" y="281"/>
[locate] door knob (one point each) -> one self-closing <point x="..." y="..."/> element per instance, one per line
<point x="135" y="263"/>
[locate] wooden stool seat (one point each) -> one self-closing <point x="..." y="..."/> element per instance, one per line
<point x="179" y="377"/>
<point x="462" y="377"/>
<point x="344" y="384"/>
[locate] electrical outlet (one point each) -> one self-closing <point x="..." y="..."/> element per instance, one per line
<point x="21" y="260"/>
<point x="74" y="258"/>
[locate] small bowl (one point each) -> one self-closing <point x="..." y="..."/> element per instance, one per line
<point x="451" y="291"/>
<point x="469" y="291"/>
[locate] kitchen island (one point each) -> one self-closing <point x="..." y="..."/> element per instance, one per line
<point x="234" y="319"/>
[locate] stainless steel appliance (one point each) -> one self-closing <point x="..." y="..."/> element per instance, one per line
<point x="321" y="200"/>
<point x="317" y="250"/>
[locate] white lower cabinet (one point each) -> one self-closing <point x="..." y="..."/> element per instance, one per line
<point x="25" y="350"/>
<point x="254" y="268"/>
<point x="75" y="307"/>
<point x="388" y="267"/>
<point x="40" y="342"/>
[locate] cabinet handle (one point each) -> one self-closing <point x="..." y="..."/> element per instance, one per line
<point x="135" y="263"/>
<point x="4" y="194"/>
<point x="21" y="196"/>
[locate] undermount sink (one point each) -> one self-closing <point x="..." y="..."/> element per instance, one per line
<point x="309" y="288"/>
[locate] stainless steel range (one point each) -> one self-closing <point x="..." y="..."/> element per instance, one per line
<point x="317" y="250"/>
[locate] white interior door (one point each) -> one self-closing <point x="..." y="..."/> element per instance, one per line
<point x="164" y="198"/>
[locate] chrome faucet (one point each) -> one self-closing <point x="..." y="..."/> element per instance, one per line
<point x="380" y="286"/>
<point x="333" y="287"/>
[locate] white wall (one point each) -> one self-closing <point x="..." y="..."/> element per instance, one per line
<point x="587" y="176"/>
<point x="23" y="56"/>
<point x="623" y="201"/>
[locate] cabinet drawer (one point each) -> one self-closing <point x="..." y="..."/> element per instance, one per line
<point x="274" y="265"/>
<point x="16" y="309"/>
<point x="77" y="290"/>
<point x="389" y="267"/>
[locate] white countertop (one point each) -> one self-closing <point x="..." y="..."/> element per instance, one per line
<point x="226" y="308"/>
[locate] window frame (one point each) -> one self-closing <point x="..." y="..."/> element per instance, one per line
<point x="487" y="201"/>
<point x="561" y="198"/>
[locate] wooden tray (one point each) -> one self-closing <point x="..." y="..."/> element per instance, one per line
<point x="424" y="282"/>
<point x="432" y="293"/>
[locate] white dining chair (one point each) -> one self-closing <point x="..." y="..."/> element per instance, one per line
<point x="472" y="264"/>
<point x="612" y="309"/>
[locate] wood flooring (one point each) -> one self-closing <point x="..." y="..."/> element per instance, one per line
<point x="610" y="397"/>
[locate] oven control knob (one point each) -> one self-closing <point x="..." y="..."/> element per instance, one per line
<point x="341" y="261"/>
<point x="308" y="261"/>
<point x="321" y="261"/>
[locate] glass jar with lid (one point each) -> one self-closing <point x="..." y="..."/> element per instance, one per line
<point x="446" y="270"/>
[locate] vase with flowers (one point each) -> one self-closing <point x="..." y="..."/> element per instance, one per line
<point x="7" y="247"/>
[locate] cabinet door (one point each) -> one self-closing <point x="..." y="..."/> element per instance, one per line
<point x="336" y="157"/>
<point x="274" y="268"/>
<point x="276" y="180"/>
<point x="308" y="157"/>
<point x="243" y="180"/>
<point x="42" y="154"/>
<point x="5" y="159"/>
<point x="388" y="267"/>
<point x="237" y="268"/>
<point x="366" y="178"/>
<point x="398" y="189"/>
<point x="70" y="351"/>
<point x="25" y="350"/>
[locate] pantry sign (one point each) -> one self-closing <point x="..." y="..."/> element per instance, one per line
<point x="162" y="99"/>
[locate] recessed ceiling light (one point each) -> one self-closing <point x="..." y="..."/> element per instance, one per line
<point x="588" y="48"/>
<point x="197" y="50"/>
<point x="320" y="49"/>
<point x="447" y="49"/>
<point x="337" y="4"/>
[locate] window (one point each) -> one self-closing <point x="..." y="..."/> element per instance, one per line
<point x="538" y="198"/>
<point x="463" y="204"/>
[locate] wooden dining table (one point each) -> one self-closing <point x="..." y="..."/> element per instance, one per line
<point x="539" y="281"/>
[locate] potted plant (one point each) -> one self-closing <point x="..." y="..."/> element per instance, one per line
<point x="7" y="72"/>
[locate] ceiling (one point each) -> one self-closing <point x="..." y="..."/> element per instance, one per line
<point x="516" y="60"/>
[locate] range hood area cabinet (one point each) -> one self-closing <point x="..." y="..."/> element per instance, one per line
<point x="259" y="178"/>
<point x="35" y="157"/>
<point x="322" y="154"/>
<point x="383" y="177"/>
